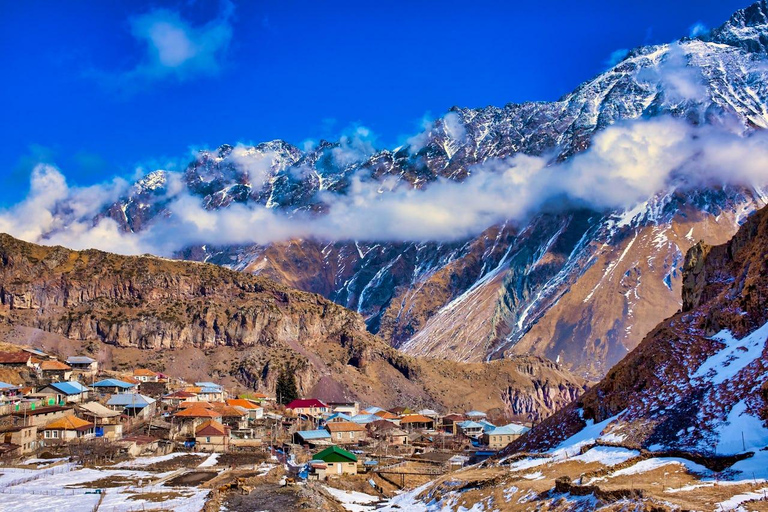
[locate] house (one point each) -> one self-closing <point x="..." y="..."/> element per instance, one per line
<point x="8" y="392"/>
<point x="475" y="415"/>
<point x="68" y="428"/>
<point x="388" y="432"/>
<point x="417" y="422"/>
<point x="212" y="436"/>
<point x="145" y="375"/>
<point x="470" y="428"/>
<point x="450" y="423"/>
<point x="106" y="421"/>
<point x="138" y="444"/>
<point x="15" y="359"/>
<point x="386" y="415"/>
<point x="55" y="370"/>
<point x="259" y="398"/>
<point x="309" y="407"/>
<point x="69" y="391"/>
<point x="364" y="419"/>
<point x="312" y="437"/>
<point x="501" y="436"/>
<point x="39" y="416"/>
<point x="234" y="417"/>
<point x="210" y="392"/>
<point x="429" y="413"/>
<point x="371" y="410"/>
<point x="254" y="411"/>
<point x="338" y="461"/>
<point x="132" y="404"/>
<point x="83" y="364"/>
<point x="346" y="432"/>
<point x="401" y="411"/>
<point x="187" y="420"/>
<point x="112" y="386"/>
<point x="338" y="416"/>
<point x="177" y="397"/>
<point x="25" y="437"/>
<point x="348" y="408"/>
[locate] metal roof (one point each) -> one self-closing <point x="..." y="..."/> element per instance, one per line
<point x="469" y="424"/>
<point x="71" y="387"/>
<point x="309" y="435"/>
<point x="136" y="400"/>
<point x="80" y="360"/>
<point x="511" y="429"/>
<point x="112" y="383"/>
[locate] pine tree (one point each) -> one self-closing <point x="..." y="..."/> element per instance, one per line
<point x="285" y="390"/>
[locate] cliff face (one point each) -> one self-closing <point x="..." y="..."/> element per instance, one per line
<point x="697" y="381"/>
<point x="171" y="308"/>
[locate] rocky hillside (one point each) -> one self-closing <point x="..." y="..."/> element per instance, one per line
<point x="578" y="286"/>
<point x="697" y="382"/>
<point x="250" y="328"/>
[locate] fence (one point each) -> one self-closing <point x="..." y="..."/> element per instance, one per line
<point x="5" y="487"/>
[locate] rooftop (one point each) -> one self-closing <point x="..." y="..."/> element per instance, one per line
<point x="70" y="422"/>
<point x="211" y="428"/>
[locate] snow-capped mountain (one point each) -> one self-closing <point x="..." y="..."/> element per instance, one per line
<point x="578" y="286"/>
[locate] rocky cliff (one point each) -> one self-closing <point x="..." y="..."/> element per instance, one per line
<point x="251" y="329"/>
<point x="697" y="381"/>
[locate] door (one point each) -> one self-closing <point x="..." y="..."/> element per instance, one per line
<point x="339" y="467"/>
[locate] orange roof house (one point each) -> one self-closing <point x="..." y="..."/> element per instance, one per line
<point x="344" y="426"/>
<point x="54" y="365"/>
<point x="415" y="418"/>
<point x="386" y="415"/>
<point x="241" y="402"/>
<point x="70" y="422"/>
<point x="211" y="428"/>
<point x="144" y="372"/>
<point x="198" y="412"/>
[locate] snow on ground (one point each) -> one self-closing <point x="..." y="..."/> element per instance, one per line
<point x="146" y="461"/>
<point x="741" y="432"/>
<point x="734" y="503"/>
<point x="534" y="476"/>
<point x="210" y="461"/>
<point x="647" y="465"/>
<point x="607" y="455"/>
<point x="352" y="500"/>
<point x="528" y="463"/>
<point x="588" y="435"/>
<point x="68" y="487"/>
<point x="734" y="357"/>
<point x="264" y="468"/>
<point x="43" y="503"/>
<point x="44" y="462"/>
<point x="126" y="499"/>
<point x="755" y="467"/>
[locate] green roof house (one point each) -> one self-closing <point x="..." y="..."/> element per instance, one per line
<point x="338" y="461"/>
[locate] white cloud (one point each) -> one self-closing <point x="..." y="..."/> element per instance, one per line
<point x="615" y="57"/>
<point x="626" y="164"/>
<point x="176" y="48"/>
<point x="698" y="29"/>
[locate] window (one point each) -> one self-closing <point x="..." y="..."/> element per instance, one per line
<point x="338" y="435"/>
<point x="207" y="439"/>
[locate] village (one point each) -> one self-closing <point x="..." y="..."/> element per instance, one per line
<point x="196" y="445"/>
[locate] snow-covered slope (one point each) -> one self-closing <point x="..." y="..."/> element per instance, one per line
<point x="698" y="382"/>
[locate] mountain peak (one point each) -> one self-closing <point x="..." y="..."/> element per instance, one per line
<point x="747" y="29"/>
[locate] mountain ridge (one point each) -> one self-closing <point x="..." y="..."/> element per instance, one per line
<point x="251" y="329"/>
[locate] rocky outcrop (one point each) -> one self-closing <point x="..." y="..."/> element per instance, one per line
<point x="255" y="327"/>
<point x="695" y="373"/>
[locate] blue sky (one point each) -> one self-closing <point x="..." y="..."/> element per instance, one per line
<point x="99" y="88"/>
